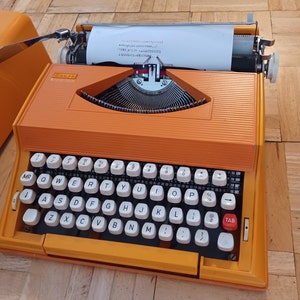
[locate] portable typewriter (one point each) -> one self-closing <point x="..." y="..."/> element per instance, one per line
<point x="143" y="164"/>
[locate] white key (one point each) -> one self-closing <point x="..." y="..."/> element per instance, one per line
<point x="191" y="197"/>
<point x="91" y="186"/>
<point x="211" y="220"/>
<point x="52" y="218"/>
<point x="85" y="164"/>
<point x="126" y="209"/>
<point x="157" y="193"/>
<point x="166" y="172"/>
<point x="183" y="235"/>
<point x="93" y="205"/>
<point x="46" y="200"/>
<point x="115" y="226"/>
<point x="77" y="204"/>
<point x="83" y="222"/>
<point x="184" y="174"/>
<point x="67" y="220"/>
<point x="201" y="176"/>
<point x="141" y="211"/>
<point x="174" y="195"/>
<point x="109" y="207"/>
<point x="123" y="189"/>
<point x="117" y="167"/>
<point x="53" y="161"/>
<point x="99" y="224"/>
<point x="193" y="217"/>
<point x="165" y="232"/>
<point x="27" y="196"/>
<point x="219" y="178"/>
<point x="159" y="213"/>
<point x="133" y="169"/>
<point x="69" y="162"/>
<point x="225" y="242"/>
<point x="107" y="187"/>
<point x="139" y="191"/>
<point x="44" y="181"/>
<point x="228" y="201"/>
<point x="132" y="228"/>
<point x="59" y="182"/>
<point x="61" y="202"/>
<point x="28" y="178"/>
<point x="209" y="199"/>
<point x="176" y="215"/>
<point x="38" y="160"/>
<point x="150" y="171"/>
<point x="31" y="216"/>
<point x="75" y="184"/>
<point x="201" y="238"/>
<point x="101" y="166"/>
<point x="148" y="231"/>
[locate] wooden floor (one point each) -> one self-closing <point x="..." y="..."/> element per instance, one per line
<point x="24" y="278"/>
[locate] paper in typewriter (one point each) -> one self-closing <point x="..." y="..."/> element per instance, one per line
<point x="197" y="46"/>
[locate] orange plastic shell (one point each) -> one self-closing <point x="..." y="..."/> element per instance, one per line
<point x="19" y="73"/>
<point x="220" y="133"/>
<point x="226" y="133"/>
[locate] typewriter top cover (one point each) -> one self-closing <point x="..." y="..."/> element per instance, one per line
<point x="221" y="132"/>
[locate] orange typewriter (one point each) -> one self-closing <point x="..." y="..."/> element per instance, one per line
<point x="139" y="155"/>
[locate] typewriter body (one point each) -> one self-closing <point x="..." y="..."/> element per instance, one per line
<point x="107" y="173"/>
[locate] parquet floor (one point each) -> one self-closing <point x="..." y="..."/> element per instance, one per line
<point x="25" y="278"/>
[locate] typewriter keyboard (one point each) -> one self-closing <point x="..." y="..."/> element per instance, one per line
<point x="162" y="205"/>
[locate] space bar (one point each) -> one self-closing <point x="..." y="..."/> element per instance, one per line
<point x="131" y="255"/>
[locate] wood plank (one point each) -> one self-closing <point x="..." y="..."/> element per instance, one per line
<point x="159" y="5"/>
<point x="123" y="286"/>
<point x="233" y="5"/>
<point x="147" y="5"/>
<point x="79" y="6"/>
<point x="144" y="287"/>
<point x="14" y="263"/>
<point x="296" y="230"/>
<point x="297" y="260"/>
<point x="278" y="212"/>
<point x="79" y="285"/>
<point x="286" y="22"/>
<point x="101" y="284"/>
<point x="152" y="17"/>
<point x="95" y="18"/>
<point x="281" y="263"/>
<point x="289" y="102"/>
<point x="171" y="6"/>
<point x="286" y="32"/>
<point x="11" y="284"/>
<point x="28" y="6"/>
<point x="47" y="280"/>
<point x="129" y="6"/>
<point x="7" y="158"/>
<point x="292" y="154"/>
<point x="272" y="118"/>
<point x="280" y="288"/>
<point x="278" y="5"/>
<point x="6" y="4"/>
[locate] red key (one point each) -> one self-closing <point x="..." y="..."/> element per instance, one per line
<point x="229" y="222"/>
